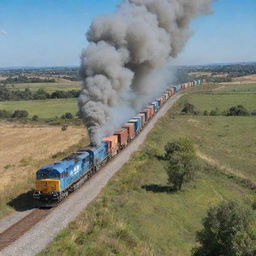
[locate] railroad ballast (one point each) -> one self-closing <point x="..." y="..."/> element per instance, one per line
<point x="55" y="181"/>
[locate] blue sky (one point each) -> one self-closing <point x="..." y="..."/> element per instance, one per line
<point x="52" y="32"/>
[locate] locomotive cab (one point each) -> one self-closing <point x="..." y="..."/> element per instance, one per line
<point x="47" y="184"/>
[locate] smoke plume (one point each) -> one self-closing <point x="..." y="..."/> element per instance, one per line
<point x="126" y="62"/>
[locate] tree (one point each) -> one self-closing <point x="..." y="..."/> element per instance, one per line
<point x="189" y="109"/>
<point x="20" y="114"/>
<point x="253" y="112"/>
<point x="238" y="110"/>
<point x="181" y="162"/>
<point x="227" y="231"/>
<point x="35" y="118"/>
<point x="67" y="116"/>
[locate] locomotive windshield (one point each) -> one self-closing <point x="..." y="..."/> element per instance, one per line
<point x="48" y="173"/>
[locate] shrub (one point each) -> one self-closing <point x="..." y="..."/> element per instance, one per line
<point x="215" y="112"/>
<point x="189" y="109"/>
<point x="20" y="114"/>
<point x="227" y="230"/>
<point x="67" y="116"/>
<point x="206" y="113"/>
<point x="35" y="118"/>
<point x="253" y="112"/>
<point x="238" y="110"/>
<point x="5" y="114"/>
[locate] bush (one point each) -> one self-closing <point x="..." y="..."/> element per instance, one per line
<point x="253" y="112"/>
<point x="20" y="114"/>
<point x="206" y="113"/>
<point x="215" y="112"/>
<point x="35" y="118"/>
<point x="5" y="114"/>
<point x="227" y="230"/>
<point x="238" y="110"/>
<point x="67" y="116"/>
<point x="182" y="162"/>
<point x="189" y="109"/>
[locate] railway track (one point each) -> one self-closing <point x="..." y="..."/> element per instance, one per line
<point x="14" y="232"/>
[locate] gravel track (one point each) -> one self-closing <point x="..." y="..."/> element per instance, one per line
<point x="40" y="235"/>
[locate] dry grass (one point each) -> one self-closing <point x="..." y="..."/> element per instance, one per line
<point x="22" y="145"/>
<point x="24" y="149"/>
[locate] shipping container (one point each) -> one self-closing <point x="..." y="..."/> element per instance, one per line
<point x="155" y="105"/>
<point x="112" y="145"/>
<point x="151" y="110"/>
<point x="139" y="118"/>
<point x="122" y="135"/>
<point x="147" y="114"/>
<point x="131" y="130"/>
<point x="161" y="101"/>
<point x="136" y="125"/>
<point x="170" y="93"/>
<point x="143" y="119"/>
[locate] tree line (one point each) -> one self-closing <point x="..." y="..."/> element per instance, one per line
<point x="25" y="79"/>
<point x="238" y="110"/>
<point x="7" y="94"/>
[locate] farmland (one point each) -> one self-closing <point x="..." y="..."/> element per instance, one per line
<point x="43" y="108"/>
<point x="48" y="87"/>
<point x="24" y="149"/>
<point x="135" y="214"/>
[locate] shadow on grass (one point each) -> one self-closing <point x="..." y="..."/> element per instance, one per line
<point x="23" y="202"/>
<point x="158" y="188"/>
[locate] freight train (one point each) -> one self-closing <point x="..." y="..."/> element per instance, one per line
<point x="56" y="181"/>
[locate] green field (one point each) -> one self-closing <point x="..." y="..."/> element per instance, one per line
<point x="43" y="108"/>
<point x="222" y="101"/>
<point x="134" y="215"/>
<point x="48" y="87"/>
<point x="248" y="88"/>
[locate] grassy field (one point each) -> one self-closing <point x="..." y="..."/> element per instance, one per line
<point x="24" y="149"/>
<point x="43" y="108"/>
<point x="63" y="85"/>
<point x="135" y="215"/>
<point x="247" y="88"/>
<point x="222" y="101"/>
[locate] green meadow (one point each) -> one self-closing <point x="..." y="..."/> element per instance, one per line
<point x="48" y="87"/>
<point x="43" y="108"/>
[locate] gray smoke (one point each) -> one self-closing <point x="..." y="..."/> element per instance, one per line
<point x="127" y="61"/>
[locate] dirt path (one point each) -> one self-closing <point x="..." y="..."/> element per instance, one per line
<point x="39" y="237"/>
<point x="226" y="169"/>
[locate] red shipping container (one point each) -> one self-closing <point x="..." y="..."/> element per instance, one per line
<point x="112" y="144"/>
<point x="122" y="136"/>
<point x="130" y="128"/>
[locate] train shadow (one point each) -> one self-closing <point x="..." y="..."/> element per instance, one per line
<point x="23" y="202"/>
<point x="156" y="188"/>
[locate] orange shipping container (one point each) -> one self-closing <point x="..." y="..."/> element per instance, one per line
<point x="152" y="111"/>
<point x="122" y="135"/>
<point x="130" y="128"/>
<point x="112" y="144"/>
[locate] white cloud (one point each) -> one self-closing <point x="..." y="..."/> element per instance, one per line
<point x="3" y="32"/>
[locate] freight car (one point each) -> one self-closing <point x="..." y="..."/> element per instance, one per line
<point x="54" y="182"/>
